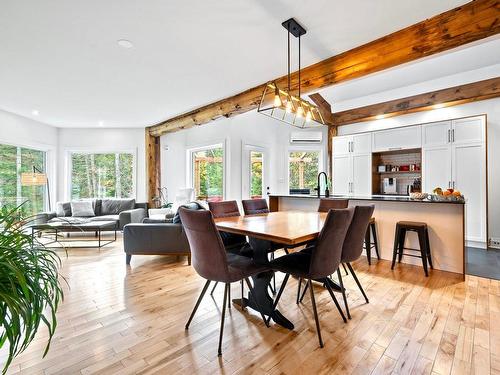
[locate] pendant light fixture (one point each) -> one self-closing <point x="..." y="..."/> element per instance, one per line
<point x="281" y="104"/>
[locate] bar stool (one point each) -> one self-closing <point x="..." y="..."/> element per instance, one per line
<point x="369" y="245"/>
<point x="423" y="238"/>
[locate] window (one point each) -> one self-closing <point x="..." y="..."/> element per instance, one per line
<point x="102" y="175"/>
<point x="14" y="161"/>
<point x="303" y="169"/>
<point x="207" y="172"/>
<point x="256" y="166"/>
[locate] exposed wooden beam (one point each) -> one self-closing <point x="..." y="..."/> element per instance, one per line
<point x="468" y="23"/>
<point x="466" y="93"/>
<point x="153" y="169"/>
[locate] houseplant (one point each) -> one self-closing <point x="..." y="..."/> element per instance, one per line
<point x="30" y="289"/>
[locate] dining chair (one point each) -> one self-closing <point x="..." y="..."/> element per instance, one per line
<point x="259" y="206"/>
<point x="351" y="251"/>
<point x="213" y="263"/>
<point x="318" y="261"/>
<point x="232" y="242"/>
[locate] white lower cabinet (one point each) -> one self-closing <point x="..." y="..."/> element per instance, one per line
<point x="341" y="174"/>
<point x="361" y="181"/>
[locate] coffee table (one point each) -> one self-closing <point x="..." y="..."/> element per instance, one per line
<point x="55" y="229"/>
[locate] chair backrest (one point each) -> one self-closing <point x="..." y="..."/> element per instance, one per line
<point x="208" y="255"/>
<point x="353" y="244"/>
<point x="328" y="250"/>
<point x="224" y="209"/>
<point x="326" y="205"/>
<point x="255" y="206"/>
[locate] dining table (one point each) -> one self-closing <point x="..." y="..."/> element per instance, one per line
<point x="288" y="228"/>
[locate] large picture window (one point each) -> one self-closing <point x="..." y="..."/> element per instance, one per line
<point x="102" y="175"/>
<point x="14" y="161"/>
<point x="207" y="169"/>
<point x="303" y="167"/>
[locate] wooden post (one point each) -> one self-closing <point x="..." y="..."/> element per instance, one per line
<point x="153" y="168"/>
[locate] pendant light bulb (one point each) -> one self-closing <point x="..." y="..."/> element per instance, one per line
<point x="308" y="116"/>
<point x="289" y="105"/>
<point x="300" y="111"/>
<point x="277" y="99"/>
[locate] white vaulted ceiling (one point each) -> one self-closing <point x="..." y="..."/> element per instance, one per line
<point x="62" y="59"/>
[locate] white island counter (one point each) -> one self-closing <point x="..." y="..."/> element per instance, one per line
<point x="445" y="221"/>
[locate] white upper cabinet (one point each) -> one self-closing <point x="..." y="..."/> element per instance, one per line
<point x="468" y="130"/>
<point x="397" y="139"/>
<point x="342" y="145"/>
<point x="361" y="143"/>
<point x="436" y="134"/>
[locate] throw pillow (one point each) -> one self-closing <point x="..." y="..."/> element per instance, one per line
<point x="190" y="206"/>
<point x="82" y="209"/>
<point x="63" y="209"/>
<point x="115" y="206"/>
<point x="98" y="207"/>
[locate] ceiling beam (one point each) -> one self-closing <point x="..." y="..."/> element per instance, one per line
<point x="465" y="24"/>
<point x="470" y="92"/>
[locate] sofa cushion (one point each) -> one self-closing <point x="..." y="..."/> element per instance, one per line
<point x="105" y="218"/>
<point x="115" y="206"/>
<point x="69" y="220"/>
<point x="189" y="206"/>
<point x="82" y="209"/>
<point x="63" y="209"/>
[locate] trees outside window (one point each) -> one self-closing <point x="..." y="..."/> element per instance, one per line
<point x="303" y="169"/>
<point x="256" y="165"/>
<point x="14" y="161"/>
<point x="208" y="173"/>
<point x="102" y="175"/>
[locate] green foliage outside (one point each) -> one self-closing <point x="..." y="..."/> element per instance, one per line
<point x="208" y="174"/>
<point x="102" y="175"/>
<point x="256" y="174"/>
<point x="304" y="168"/>
<point x="13" y="162"/>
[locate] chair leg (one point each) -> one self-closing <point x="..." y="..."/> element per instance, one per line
<point x="213" y="289"/>
<point x="252" y="295"/>
<point x="423" y="250"/>
<point x="304" y="292"/>
<point x="128" y="258"/>
<point x="336" y="302"/>
<point x="229" y="296"/>
<point x="375" y="239"/>
<point x="221" y="333"/>
<point x="402" y="238"/>
<point x="396" y="247"/>
<point x="298" y="289"/>
<point x="205" y="287"/>
<point x="357" y="282"/>
<point x="285" y="249"/>
<point x="242" y="295"/>
<point x="313" y="301"/>
<point x="189" y="260"/>
<point x="345" y="269"/>
<point x="428" y="248"/>
<point x="368" y="246"/>
<point x="278" y="296"/>
<point x="339" y="275"/>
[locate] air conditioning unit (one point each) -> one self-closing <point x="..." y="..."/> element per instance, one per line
<point x="306" y="137"/>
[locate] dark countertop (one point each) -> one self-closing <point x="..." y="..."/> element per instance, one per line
<point x="379" y="198"/>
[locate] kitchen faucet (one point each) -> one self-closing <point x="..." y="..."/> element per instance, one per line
<point x="319" y="185"/>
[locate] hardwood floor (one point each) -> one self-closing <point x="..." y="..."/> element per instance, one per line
<point x="126" y="320"/>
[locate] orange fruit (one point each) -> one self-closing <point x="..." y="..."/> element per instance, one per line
<point x="447" y="193"/>
<point x="457" y="193"/>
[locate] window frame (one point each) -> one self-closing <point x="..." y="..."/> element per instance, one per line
<point x="190" y="150"/>
<point x="246" y="177"/>
<point x="309" y="148"/>
<point x="50" y="168"/>
<point x="87" y="151"/>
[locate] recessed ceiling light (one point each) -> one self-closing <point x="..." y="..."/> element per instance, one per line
<point x="35" y="112"/>
<point x="125" y="43"/>
<point x="101" y="123"/>
<point x="437" y="106"/>
<point x="380" y="117"/>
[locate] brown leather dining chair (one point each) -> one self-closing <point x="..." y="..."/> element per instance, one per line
<point x="213" y="263"/>
<point x="318" y="261"/>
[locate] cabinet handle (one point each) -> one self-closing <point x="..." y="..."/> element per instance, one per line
<point x="352" y="146"/>
<point x="453" y="135"/>
<point x="449" y="136"/>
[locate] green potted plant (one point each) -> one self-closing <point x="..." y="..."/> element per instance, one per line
<point x="30" y="289"/>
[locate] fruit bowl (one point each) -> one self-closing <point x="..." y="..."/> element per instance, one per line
<point x="419" y="196"/>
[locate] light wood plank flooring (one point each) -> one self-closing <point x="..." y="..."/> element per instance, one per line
<point x="127" y="320"/>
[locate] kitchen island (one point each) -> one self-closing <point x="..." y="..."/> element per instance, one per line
<point x="445" y="220"/>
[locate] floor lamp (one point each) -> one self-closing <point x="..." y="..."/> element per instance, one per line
<point x="36" y="178"/>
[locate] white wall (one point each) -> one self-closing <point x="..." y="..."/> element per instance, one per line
<point x="249" y="128"/>
<point x="21" y="131"/>
<point x="492" y="110"/>
<point x="101" y="140"/>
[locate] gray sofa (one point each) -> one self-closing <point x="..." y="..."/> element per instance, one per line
<point x="122" y="211"/>
<point x="157" y="237"/>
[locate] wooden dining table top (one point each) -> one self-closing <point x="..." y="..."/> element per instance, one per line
<point x="286" y="227"/>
